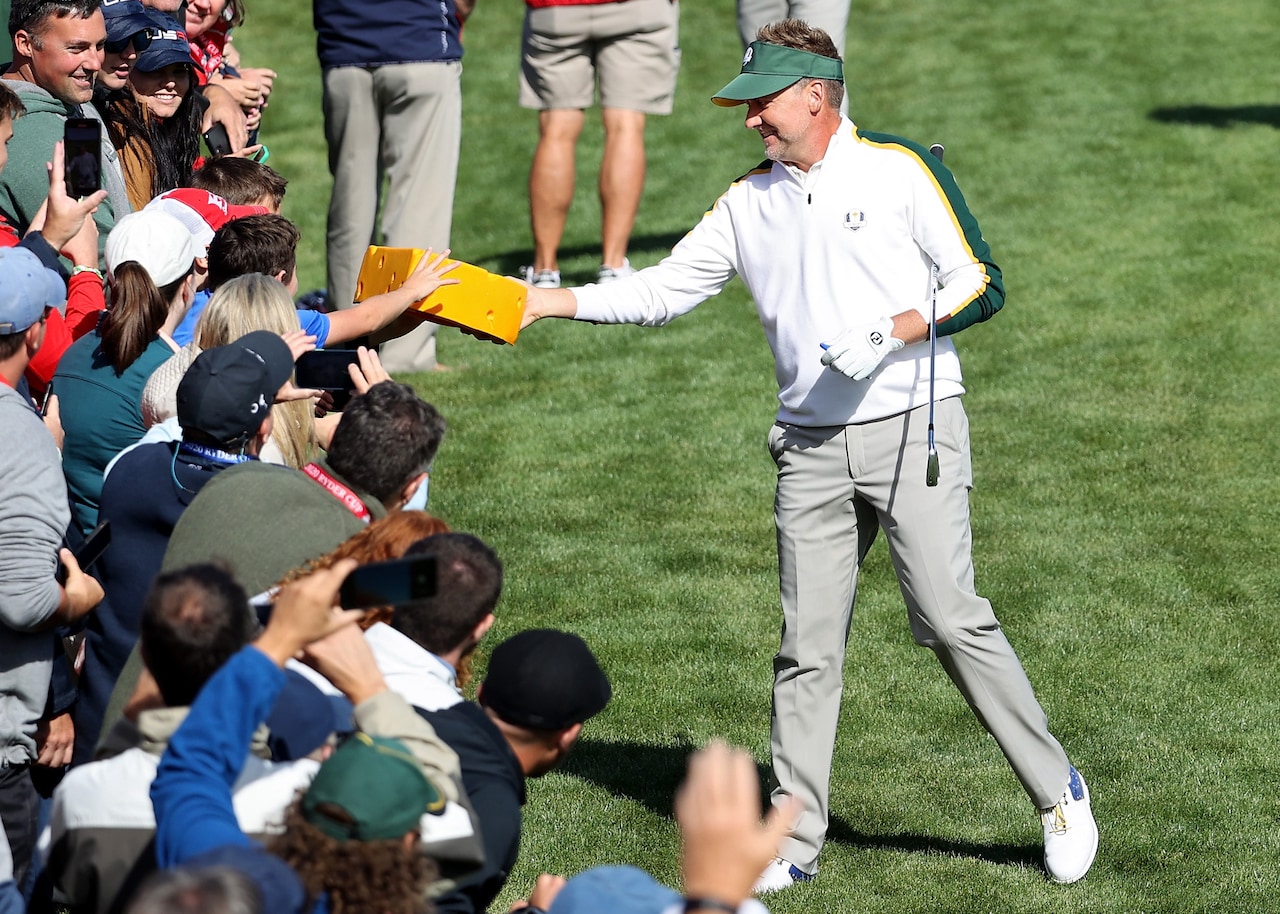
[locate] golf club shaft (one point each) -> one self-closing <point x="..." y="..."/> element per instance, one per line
<point x="931" y="468"/>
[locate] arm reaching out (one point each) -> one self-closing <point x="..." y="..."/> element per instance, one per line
<point x="542" y="303"/>
<point x="374" y="314"/>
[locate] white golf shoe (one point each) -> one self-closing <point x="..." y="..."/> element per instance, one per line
<point x="541" y="279"/>
<point x="610" y="274"/>
<point x="1070" y="834"/>
<point x="778" y="875"/>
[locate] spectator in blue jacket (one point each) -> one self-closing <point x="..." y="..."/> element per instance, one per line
<point x="351" y="840"/>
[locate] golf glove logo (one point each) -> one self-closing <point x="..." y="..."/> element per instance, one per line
<point x="858" y="351"/>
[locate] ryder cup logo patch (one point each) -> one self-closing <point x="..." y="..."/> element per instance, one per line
<point x="855" y="219"/>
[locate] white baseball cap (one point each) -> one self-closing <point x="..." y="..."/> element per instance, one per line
<point x="156" y="241"/>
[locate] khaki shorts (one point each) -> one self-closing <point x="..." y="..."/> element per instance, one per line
<point x="630" y="47"/>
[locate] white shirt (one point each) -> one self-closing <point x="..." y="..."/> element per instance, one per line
<point x="849" y="241"/>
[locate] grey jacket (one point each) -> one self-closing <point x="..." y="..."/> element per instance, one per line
<point x="34" y="514"/>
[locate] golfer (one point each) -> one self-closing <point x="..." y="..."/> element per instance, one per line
<point x="836" y="236"/>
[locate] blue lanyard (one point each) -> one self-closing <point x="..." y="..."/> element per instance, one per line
<point x="212" y="454"/>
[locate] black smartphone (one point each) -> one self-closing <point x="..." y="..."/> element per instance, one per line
<point x="326" y="369"/>
<point x="82" y="156"/>
<point x="218" y="141"/>
<point x="90" y="550"/>
<point x="392" y="583"/>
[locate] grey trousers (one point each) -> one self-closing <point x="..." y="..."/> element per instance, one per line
<point x="402" y="122"/>
<point x="836" y="487"/>
<point x="832" y="16"/>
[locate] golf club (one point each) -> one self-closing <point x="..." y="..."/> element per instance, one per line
<point x="931" y="469"/>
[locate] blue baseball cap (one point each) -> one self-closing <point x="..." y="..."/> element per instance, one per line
<point x="169" y="44"/>
<point x="125" y="18"/>
<point x="616" y="889"/>
<point x="27" y="287"/>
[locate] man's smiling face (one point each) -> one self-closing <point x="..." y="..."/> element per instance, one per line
<point x="782" y="120"/>
<point x="66" y="56"/>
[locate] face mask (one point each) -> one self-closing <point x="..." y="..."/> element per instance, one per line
<point x="418" y="500"/>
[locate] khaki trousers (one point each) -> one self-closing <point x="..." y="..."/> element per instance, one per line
<point x="836" y="487"/>
<point x="402" y="122"/>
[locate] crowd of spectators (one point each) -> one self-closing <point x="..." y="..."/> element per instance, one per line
<point x="190" y="721"/>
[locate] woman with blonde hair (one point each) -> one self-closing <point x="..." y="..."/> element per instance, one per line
<point x="241" y="305"/>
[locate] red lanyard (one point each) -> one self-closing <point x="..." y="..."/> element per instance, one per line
<point x="349" y="499"/>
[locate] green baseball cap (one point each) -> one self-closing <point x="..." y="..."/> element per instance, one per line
<point x="370" y="789"/>
<point x="770" y="68"/>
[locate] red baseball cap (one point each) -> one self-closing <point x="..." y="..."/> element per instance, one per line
<point x="202" y="212"/>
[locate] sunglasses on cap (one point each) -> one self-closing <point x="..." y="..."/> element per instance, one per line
<point x="140" y="41"/>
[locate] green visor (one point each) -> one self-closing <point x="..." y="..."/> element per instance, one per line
<point x="770" y="68"/>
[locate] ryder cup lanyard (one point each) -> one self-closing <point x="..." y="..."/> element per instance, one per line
<point x="211" y="454"/>
<point x="349" y="499"/>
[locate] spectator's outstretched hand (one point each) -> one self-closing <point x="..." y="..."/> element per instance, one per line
<point x="430" y="275"/>
<point x="305" y="611"/>
<point x="725" y="845"/>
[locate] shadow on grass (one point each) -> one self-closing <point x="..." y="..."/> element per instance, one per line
<point x="650" y="775"/>
<point x="641" y="247"/>
<point x="1219" y="116"/>
<point x="1023" y="855"/>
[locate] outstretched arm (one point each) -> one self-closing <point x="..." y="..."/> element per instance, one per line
<point x="541" y="303"/>
<point x="373" y="314"/>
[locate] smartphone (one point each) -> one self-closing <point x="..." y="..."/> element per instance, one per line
<point x="90" y="550"/>
<point x="392" y="583"/>
<point x="326" y="369"/>
<point x="217" y="140"/>
<point x="82" y="156"/>
<point x="261" y="155"/>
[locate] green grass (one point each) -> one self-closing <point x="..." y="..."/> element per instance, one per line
<point x="1122" y="160"/>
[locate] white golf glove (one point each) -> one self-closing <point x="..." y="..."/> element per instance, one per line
<point x="857" y="351"/>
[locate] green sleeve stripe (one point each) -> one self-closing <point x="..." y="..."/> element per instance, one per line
<point x="987" y="300"/>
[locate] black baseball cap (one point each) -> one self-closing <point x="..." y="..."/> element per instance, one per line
<point x="228" y="390"/>
<point x="545" y="679"/>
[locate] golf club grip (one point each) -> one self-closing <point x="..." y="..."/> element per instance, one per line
<point x="931" y="470"/>
<point x="937" y="149"/>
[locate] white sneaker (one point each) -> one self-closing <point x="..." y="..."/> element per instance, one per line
<point x="541" y="279"/>
<point x="609" y="274"/>
<point x="778" y="875"/>
<point x="1070" y="834"/>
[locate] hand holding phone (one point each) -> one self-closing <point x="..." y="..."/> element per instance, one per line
<point x="82" y="156"/>
<point x="90" y="550"/>
<point x="326" y="369"/>
<point x="218" y="141"/>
